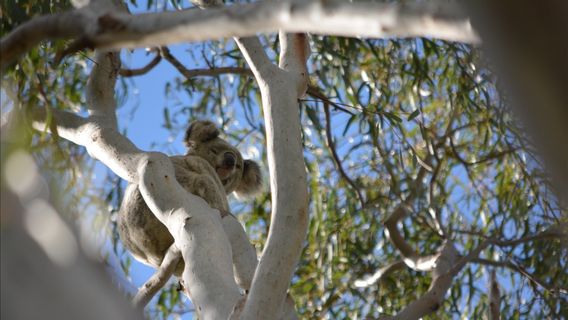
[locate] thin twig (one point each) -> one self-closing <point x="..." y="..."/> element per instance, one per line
<point x="458" y="266"/>
<point x="143" y="70"/>
<point x="494" y="155"/>
<point x="336" y="159"/>
<point x="191" y="73"/>
<point x="411" y="257"/>
<point x="556" y="231"/>
<point x="517" y="268"/>
<point x="316" y="93"/>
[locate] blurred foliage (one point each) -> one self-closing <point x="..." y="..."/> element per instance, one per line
<point x="398" y="107"/>
<point x="14" y="12"/>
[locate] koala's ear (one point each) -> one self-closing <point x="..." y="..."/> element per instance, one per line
<point x="251" y="182"/>
<point x="200" y="131"/>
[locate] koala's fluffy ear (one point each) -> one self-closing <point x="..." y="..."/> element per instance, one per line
<point x="251" y="182"/>
<point x="200" y="131"/>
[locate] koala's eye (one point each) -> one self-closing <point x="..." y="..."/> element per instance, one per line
<point x="215" y="152"/>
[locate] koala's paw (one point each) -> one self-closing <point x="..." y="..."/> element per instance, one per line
<point x="205" y="187"/>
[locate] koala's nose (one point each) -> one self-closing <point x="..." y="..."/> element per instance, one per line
<point x="229" y="159"/>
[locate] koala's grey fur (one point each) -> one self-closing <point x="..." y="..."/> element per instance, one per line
<point x="211" y="169"/>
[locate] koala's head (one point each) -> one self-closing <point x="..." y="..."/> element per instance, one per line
<point x="236" y="174"/>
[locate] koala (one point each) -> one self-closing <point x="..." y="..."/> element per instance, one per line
<point x="210" y="169"/>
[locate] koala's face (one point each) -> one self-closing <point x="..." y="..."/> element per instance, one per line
<point x="224" y="158"/>
<point x="236" y="174"/>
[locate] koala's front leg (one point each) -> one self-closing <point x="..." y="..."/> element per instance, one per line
<point x="205" y="187"/>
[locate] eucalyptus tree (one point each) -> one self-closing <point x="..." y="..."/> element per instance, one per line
<point x="401" y="184"/>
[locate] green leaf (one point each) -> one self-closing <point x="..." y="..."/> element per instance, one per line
<point x="349" y="123"/>
<point x="167" y="120"/>
<point x="395" y="119"/>
<point x="414" y="114"/>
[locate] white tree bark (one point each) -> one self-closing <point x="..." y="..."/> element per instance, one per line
<point x="244" y="263"/>
<point x="287" y="172"/>
<point x="444" y="265"/>
<point x="158" y="279"/>
<point x="96" y="26"/>
<point x="410" y="256"/>
<point x="244" y="254"/>
<point x="378" y="275"/>
<point x="447" y="265"/>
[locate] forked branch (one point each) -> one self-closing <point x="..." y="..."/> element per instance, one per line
<point x="141" y="71"/>
<point x="159" y="278"/>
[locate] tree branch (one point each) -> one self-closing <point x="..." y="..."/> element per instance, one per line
<point x="315" y="92"/>
<point x="73" y="24"/>
<point x="555" y="231"/>
<point x="22" y="39"/>
<point x="447" y="266"/>
<point x="100" y="89"/>
<point x="287" y="175"/>
<point x="329" y="17"/>
<point x="110" y="29"/>
<point x="494" y="298"/>
<point x="470" y="256"/>
<point x="294" y="53"/>
<point x="410" y="256"/>
<point x="378" y="276"/>
<point x="252" y="50"/>
<point x="69" y="126"/>
<point x="191" y="73"/>
<point x="244" y="254"/>
<point x="441" y="282"/>
<point x="335" y="156"/>
<point x="141" y="71"/>
<point x="515" y="267"/>
<point x="159" y="278"/>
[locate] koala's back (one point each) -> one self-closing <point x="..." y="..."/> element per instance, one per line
<point x="142" y="233"/>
